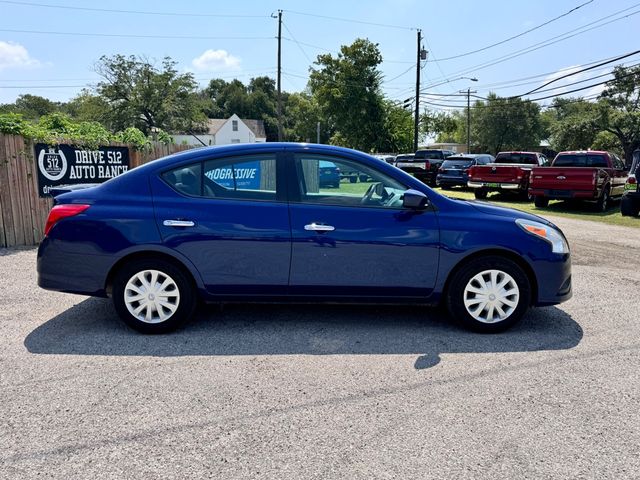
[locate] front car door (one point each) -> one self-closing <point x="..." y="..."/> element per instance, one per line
<point x="229" y="216"/>
<point x="357" y="240"/>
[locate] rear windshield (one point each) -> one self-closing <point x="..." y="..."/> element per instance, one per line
<point x="458" y="163"/>
<point x="522" y="158"/>
<point x="580" y="160"/>
<point x="400" y="158"/>
<point x="430" y="154"/>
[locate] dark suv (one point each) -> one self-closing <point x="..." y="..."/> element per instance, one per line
<point x="425" y="164"/>
<point x="630" y="204"/>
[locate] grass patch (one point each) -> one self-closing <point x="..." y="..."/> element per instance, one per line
<point x="577" y="210"/>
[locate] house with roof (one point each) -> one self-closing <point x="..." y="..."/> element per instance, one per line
<point x="225" y="131"/>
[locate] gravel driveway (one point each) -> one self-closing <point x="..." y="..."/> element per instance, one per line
<point x="316" y="392"/>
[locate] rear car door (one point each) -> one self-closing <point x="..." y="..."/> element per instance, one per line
<point x="357" y="240"/>
<point x="229" y="217"/>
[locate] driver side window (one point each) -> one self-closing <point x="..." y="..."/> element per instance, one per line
<point x="338" y="181"/>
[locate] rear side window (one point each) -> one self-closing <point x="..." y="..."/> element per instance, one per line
<point x="523" y="158"/>
<point x="187" y="180"/>
<point x="242" y="178"/>
<point x="249" y="178"/>
<point x="580" y="160"/>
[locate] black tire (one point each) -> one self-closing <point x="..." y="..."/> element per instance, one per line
<point x="455" y="295"/>
<point x="525" y="196"/>
<point x="629" y="207"/>
<point x="186" y="303"/>
<point x="604" y="202"/>
<point x="541" y="202"/>
<point x="363" y="178"/>
<point x="480" y="193"/>
<point x="353" y="179"/>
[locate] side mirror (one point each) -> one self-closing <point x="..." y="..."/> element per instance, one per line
<point x="414" y="200"/>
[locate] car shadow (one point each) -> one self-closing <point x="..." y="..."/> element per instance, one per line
<point x="92" y="328"/>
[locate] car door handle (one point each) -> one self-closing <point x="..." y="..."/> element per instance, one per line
<point x="178" y="223"/>
<point x="318" y="227"/>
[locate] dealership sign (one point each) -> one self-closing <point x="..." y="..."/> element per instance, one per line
<point x="70" y="165"/>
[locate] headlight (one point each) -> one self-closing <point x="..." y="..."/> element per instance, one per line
<point x="545" y="232"/>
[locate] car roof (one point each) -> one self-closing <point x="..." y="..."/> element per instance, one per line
<point x="519" y="152"/>
<point x="599" y="152"/>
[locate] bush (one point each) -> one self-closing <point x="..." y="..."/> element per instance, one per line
<point x="57" y="128"/>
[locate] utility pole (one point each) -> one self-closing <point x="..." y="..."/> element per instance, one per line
<point x="318" y="133"/>
<point x="417" y="114"/>
<point x="468" y="92"/>
<point x="279" y="105"/>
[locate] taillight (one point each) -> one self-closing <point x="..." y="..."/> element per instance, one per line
<point x="595" y="176"/>
<point x="59" y="212"/>
<point x="632" y="180"/>
<point x="427" y="165"/>
<point x="337" y="170"/>
<point x="441" y="169"/>
<point x="467" y="170"/>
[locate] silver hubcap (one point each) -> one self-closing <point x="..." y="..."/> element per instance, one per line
<point x="491" y="296"/>
<point x="151" y="296"/>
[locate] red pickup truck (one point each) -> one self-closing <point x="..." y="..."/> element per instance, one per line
<point x="582" y="175"/>
<point x="509" y="172"/>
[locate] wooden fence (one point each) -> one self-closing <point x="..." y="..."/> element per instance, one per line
<point x="23" y="213"/>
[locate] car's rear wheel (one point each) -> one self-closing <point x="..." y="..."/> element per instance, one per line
<point x="480" y="193"/>
<point x="629" y="207"/>
<point x="153" y="296"/>
<point x="489" y="294"/>
<point x="541" y="202"/>
<point x="603" y="203"/>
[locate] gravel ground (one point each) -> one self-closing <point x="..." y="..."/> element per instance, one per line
<point x="321" y="392"/>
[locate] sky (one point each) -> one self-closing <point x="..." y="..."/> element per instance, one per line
<point x="50" y="47"/>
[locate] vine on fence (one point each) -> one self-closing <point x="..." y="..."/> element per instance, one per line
<point x="57" y="128"/>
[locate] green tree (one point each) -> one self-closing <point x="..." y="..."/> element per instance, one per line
<point x="397" y="135"/>
<point x="141" y="95"/>
<point x="301" y="115"/>
<point x="445" y="127"/>
<point x="87" y="107"/>
<point x="501" y="123"/>
<point x="347" y="88"/>
<point x="31" y="107"/>
<point x="573" y="123"/>
<point x="619" y="108"/>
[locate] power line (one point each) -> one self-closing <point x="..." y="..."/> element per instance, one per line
<point x="501" y="42"/>
<point x="551" y="41"/>
<point x="350" y="20"/>
<point x="133" y="12"/>
<point x="297" y="43"/>
<point x="132" y="35"/>
<point x="582" y="70"/>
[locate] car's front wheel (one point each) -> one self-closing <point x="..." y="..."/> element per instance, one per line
<point x="153" y="296"/>
<point x="489" y="294"/>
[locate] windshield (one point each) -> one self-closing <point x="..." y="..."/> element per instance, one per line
<point x="458" y="163"/>
<point x="580" y="160"/>
<point x="430" y="154"/>
<point x="516" y="157"/>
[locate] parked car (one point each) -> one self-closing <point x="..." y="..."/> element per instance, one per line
<point x="247" y="223"/>
<point x="387" y="158"/>
<point x="454" y="171"/>
<point x="424" y="164"/>
<point x="510" y="172"/>
<point x="581" y="175"/>
<point x="329" y="174"/>
<point x="630" y="203"/>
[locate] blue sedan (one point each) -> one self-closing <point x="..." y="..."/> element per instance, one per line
<point x="256" y="223"/>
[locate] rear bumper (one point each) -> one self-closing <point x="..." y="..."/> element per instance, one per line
<point x="451" y="181"/>
<point x="495" y="185"/>
<point x="62" y="271"/>
<point x="564" y="194"/>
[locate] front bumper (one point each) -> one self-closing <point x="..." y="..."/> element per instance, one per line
<point x="554" y="280"/>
